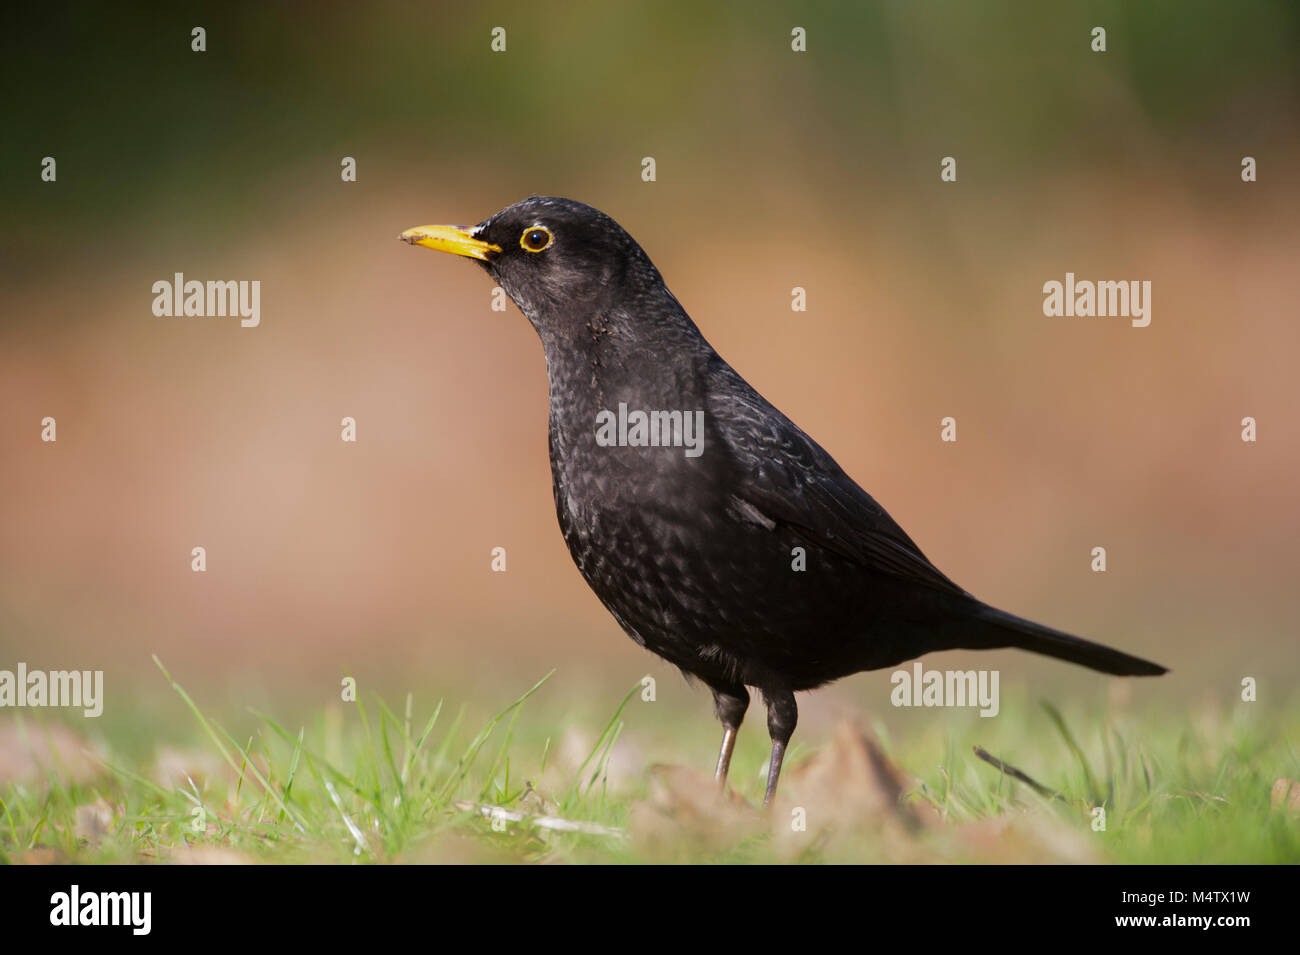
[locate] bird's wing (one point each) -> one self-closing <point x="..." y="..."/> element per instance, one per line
<point x="789" y="479"/>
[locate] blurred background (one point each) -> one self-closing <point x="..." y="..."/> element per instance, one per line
<point x="774" y="170"/>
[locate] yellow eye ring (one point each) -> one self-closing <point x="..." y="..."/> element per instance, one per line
<point x="536" y="238"/>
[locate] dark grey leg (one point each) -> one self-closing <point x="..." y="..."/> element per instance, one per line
<point x="730" y="704"/>
<point x="782" y="715"/>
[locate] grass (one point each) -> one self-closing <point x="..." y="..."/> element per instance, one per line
<point x="381" y="785"/>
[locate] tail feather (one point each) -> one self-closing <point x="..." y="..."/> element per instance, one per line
<point x="1013" y="631"/>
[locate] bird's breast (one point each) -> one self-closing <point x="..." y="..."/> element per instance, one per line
<point x="634" y="465"/>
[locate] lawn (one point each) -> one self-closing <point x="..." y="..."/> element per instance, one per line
<point x="549" y="780"/>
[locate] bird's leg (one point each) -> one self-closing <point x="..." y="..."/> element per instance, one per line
<point x="782" y="715"/>
<point x="730" y="704"/>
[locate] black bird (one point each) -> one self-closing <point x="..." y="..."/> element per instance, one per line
<point x="691" y="540"/>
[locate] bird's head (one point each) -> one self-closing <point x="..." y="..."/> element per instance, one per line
<point x="559" y="260"/>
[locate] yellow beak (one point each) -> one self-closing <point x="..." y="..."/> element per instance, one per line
<point x="449" y="238"/>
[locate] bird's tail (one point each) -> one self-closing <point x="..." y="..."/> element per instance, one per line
<point x="1009" y="630"/>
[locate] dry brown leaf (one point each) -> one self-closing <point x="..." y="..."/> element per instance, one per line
<point x="847" y="802"/>
<point x="1286" y="796"/>
<point x="94" y="821"/>
<point x="28" y="753"/>
<point x="686" y="811"/>
<point x="207" y="855"/>
<point x="1030" y="838"/>
<point x="173" y="767"/>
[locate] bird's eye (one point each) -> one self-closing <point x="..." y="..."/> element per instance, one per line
<point x="536" y="239"/>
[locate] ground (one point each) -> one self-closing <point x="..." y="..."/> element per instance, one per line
<point x="541" y="782"/>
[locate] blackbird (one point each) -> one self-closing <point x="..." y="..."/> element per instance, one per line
<point x="718" y="534"/>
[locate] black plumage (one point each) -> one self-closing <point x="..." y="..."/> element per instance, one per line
<point x="695" y="555"/>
